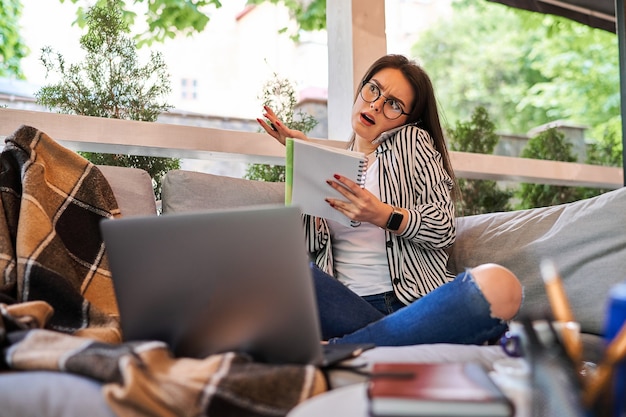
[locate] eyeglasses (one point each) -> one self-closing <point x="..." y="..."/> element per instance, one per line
<point x="392" y="109"/>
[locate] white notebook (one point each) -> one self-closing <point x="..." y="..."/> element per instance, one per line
<point x="307" y="167"/>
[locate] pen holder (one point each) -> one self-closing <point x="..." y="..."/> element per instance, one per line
<point x="555" y="379"/>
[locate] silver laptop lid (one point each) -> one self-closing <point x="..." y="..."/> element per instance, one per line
<point x="216" y="281"/>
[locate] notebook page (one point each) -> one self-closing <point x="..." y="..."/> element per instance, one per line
<point x="311" y="165"/>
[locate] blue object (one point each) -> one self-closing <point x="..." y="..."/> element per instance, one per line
<point x="615" y="318"/>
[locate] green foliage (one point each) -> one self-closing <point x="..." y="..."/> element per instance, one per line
<point x="165" y="19"/>
<point x="526" y="69"/>
<point x="607" y="150"/>
<point x="265" y="172"/>
<point x="279" y="94"/>
<point x="481" y="196"/>
<point x="478" y="136"/>
<point x="12" y="46"/>
<point x="110" y="82"/>
<point x="550" y="145"/>
<point x="308" y="15"/>
<point x="157" y="167"/>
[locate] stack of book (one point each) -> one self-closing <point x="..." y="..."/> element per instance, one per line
<point x="435" y="389"/>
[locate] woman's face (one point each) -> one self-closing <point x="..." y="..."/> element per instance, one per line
<point x="368" y="119"/>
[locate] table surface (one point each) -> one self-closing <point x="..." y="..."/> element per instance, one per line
<point x="348" y="401"/>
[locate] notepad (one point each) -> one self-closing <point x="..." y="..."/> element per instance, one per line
<point x="308" y="165"/>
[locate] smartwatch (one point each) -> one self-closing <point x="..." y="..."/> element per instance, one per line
<point x="395" y="220"/>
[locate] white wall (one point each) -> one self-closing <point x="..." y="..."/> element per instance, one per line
<point x="48" y="23"/>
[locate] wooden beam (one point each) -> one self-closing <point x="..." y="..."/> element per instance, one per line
<point x="620" y="14"/>
<point x="95" y="134"/>
<point x="356" y="38"/>
<point x="535" y="171"/>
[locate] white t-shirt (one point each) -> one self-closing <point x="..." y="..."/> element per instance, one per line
<point x="359" y="252"/>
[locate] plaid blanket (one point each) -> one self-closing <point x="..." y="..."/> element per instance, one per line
<point x="52" y="201"/>
<point x="58" y="309"/>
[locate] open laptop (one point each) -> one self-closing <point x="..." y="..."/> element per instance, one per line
<point x="217" y="281"/>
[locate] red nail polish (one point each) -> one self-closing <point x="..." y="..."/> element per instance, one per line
<point x="336" y="176"/>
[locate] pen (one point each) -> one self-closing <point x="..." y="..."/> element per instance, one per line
<point x="561" y="309"/>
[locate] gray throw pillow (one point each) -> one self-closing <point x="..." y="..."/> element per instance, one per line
<point x="192" y="191"/>
<point x="132" y="188"/>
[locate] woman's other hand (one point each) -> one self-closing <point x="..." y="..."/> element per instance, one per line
<point x="277" y="129"/>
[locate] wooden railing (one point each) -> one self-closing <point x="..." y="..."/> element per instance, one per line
<point x="94" y="134"/>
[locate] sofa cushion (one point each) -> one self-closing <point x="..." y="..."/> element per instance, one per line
<point x="192" y="191"/>
<point x="132" y="188"/>
<point x="586" y="239"/>
<point x="51" y="394"/>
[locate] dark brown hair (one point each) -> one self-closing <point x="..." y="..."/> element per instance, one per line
<point x="424" y="112"/>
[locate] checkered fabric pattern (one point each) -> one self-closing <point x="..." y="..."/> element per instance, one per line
<point x="58" y="309"/>
<point x="52" y="201"/>
<point x="143" y="379"/>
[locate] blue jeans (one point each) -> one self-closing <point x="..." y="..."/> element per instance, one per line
<point x="456" y="312"/>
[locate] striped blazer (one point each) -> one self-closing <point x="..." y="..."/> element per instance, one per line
<point x="411" y="176"/>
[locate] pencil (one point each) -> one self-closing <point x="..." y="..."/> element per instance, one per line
<point x="601" y="379"/>
<point x="561" y="309"/>
<point x="556" y="292"/>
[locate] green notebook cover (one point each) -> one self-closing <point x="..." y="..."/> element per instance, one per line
<point x="288" y="170"/>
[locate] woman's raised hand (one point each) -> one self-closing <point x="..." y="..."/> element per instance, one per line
<point x="277" y="129"/>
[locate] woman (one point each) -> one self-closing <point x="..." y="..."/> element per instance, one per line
<point x="386" y="281"/>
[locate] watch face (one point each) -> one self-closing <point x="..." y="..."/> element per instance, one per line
<point x="394" y="221"/>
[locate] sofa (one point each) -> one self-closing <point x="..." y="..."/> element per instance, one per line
<point x="586" y="240"/>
